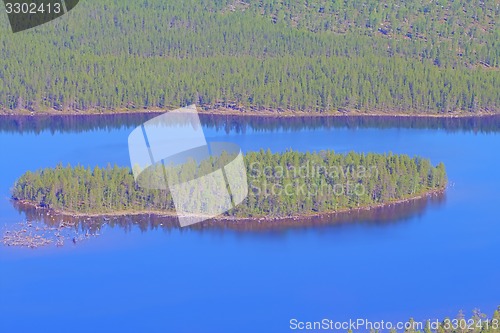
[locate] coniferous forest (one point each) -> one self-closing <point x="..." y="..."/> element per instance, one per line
<point x="280" y="184"/>
<point x="316" y="56"/>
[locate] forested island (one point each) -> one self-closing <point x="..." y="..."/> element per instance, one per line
<point x="281" y="185"/>
<point x="258" y="57"/>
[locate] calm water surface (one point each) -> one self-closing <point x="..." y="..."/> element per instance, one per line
<point x="426" y="265"/>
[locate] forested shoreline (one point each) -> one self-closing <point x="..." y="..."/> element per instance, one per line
<point x="281" y="185"/>
<point x="259" y="57"/>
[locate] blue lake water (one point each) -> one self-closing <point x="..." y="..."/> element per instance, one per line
<point x="428" y="265"/>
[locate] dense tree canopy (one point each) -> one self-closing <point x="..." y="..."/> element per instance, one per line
<point x="280" y="184"/>
<point x="314" y="56"/>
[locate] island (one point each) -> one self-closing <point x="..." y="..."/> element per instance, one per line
<point x="281" y="185"/>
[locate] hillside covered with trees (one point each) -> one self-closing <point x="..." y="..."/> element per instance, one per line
<point x="317" y="56"/>
<point x="280" y="184"/>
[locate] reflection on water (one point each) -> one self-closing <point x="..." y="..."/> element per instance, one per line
<point x="239" y="124"/>
<point x="91" y="226"/>
<point x="486" y="124"/>
<point x="70" y="124"/>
